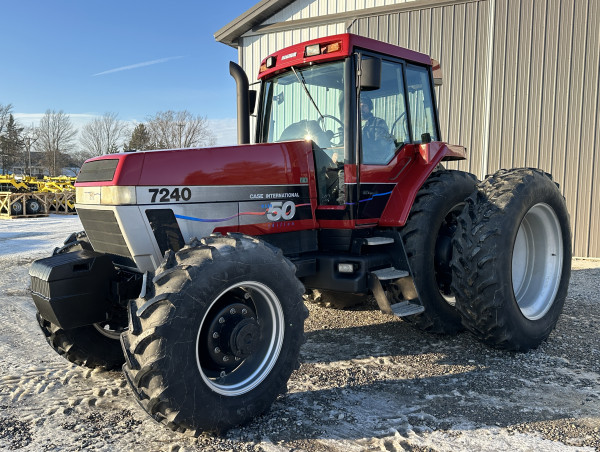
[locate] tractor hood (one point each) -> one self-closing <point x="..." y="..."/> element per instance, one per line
<point x="260" y="164"/>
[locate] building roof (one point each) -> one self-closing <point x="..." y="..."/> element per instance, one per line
<point x="256" y="15"/>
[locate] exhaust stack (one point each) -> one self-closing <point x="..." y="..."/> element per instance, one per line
<point x="243" y="109"/>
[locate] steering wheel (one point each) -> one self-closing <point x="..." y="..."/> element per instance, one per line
<point x="401" y="117"/>
<point x="338" y="138"/>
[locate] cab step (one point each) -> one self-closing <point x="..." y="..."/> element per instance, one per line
<point x="385" y="274"/>
<point x="393" y="275"/>
<point x="406" y="308"/>
<point x="378" y="240"/>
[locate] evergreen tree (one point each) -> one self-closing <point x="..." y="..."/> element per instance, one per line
<point x="140" y="139"/>
<point x="11" y="144"/>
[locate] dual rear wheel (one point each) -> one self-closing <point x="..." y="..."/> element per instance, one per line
<point x="499" y="264"/>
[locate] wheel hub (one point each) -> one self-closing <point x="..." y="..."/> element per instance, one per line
<point x="233" y="334"/>
<point x="245" y="338"/>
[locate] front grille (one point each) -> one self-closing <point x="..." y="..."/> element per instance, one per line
<point x="104" y="233"/>
<point x="98" y="171"/>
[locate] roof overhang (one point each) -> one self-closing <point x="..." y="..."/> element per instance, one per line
<point x="255" y="16"/>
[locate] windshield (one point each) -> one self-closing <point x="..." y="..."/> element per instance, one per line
<point x="307" y="104"/>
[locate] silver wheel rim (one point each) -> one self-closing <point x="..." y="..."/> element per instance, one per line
<point x="537" y="261"/>
<point x="253" y="369"/>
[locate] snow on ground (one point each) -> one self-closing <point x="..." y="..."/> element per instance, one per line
<point x="367" y="382"/>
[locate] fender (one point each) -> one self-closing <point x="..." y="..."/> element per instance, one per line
<point x="412" y="177"/>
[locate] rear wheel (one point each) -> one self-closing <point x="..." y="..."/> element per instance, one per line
<point x="93" y="346"/>
<point x="512" y="259"/>
<point x="427" y="239"/>
<point x="220" y="329"/>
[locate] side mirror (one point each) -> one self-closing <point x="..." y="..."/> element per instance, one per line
<point x="370" y="74"/>
<point x="252" y="93"/>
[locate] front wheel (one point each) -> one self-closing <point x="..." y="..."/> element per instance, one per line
<point x="512" y="259"/>
<point x="218" y="335"/>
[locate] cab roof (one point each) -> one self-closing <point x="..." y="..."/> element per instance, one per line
<point x="334" y="47"/>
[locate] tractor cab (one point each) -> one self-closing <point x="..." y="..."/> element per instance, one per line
<point x="358" y="100"/>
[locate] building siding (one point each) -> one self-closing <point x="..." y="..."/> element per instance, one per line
<point x="521" y="82"/>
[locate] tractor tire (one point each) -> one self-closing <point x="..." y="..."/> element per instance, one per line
<point x="217" y="336"/>
<point x="95" y="346"/>
<point x="427" y="238"/>
<point x="32" y="207"/>
<point x="334" y="300"/>
<point x="16" y="208"/>
<point x="512" y="259"/>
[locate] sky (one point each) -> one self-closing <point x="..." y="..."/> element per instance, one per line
<point x="134" y="58"/>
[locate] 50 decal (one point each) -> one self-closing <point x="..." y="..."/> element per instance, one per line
<point x="281" y="210"/>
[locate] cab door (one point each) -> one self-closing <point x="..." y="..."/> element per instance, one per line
<point x="384" y="130"/>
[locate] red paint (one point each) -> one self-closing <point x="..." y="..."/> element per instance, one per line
<point x="272" y="227"/>
<point x="259" y="164"/>
<point x="409" y="180"/>
<point x="349" y="44"/>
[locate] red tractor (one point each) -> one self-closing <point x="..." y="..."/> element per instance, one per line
<point x="194" y="262"/>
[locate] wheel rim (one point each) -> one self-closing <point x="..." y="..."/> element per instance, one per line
<point x="237" y="350"/>
<point x="17" y="207"/>
<point x="105" y="329"/>
<point x="443" y="253"/>
<point x="537" y="261"/>
<point x="34" y="206"/>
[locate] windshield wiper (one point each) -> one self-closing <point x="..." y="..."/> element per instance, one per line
<point x="303" y="83"/>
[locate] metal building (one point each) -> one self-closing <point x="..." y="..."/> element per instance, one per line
<point x="521" y="78"/>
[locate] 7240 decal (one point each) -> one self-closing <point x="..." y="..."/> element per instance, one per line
<point x="166" y="195"/>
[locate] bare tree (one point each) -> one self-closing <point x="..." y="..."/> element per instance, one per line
<point x="179" y="129"/>
<point x="5" y="112"/>
<point x="103" y="135"/>
<point x="56" y="138"/>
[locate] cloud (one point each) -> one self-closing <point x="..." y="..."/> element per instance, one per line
<point x="225" y="131"/>
<point x="138" y="65"/>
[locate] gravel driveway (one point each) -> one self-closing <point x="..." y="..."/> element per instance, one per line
<point x="367" y="382"/>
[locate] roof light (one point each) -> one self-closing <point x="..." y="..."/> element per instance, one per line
<point x="263" y="68"/>
<point x="270" y="62"/>
<point x="333" y="47"/>
<point x="312" y="50"/>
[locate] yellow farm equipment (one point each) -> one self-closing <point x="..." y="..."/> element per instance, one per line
<point x="29" y="196"/>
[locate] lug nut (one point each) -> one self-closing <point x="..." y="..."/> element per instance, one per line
<point x="215" y="335"/>
<point x="244" y="311"/>
<point x="221" y="319"/>
<point x="217" y="350"/>
<point x="237" y="358"/>
<point x="223" y="373"/>
<point x="246" y="295"/>
<point x="225" y="358"/>
<point x="232" y="311"/>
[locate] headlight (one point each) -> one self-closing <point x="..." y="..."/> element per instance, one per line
<point x="108" y="195"/>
